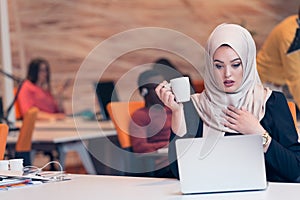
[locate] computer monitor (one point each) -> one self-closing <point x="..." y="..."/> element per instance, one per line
<point x="106" y="92"/>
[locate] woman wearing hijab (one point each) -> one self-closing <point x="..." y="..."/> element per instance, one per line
<point x="235" y="102"/>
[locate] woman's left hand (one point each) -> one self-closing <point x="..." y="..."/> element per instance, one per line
<point x="242" y="121"/>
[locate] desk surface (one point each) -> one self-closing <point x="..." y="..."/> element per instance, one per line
<point x="63" y="136"/>
<point x="120" y="187"/>
<point x="71" y="124"/>
<point x="66" y="131"/>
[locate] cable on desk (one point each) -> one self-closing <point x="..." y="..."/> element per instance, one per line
<point x="36" y="171"/>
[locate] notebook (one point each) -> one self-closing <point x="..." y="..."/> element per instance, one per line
<point x="235" y="163"/>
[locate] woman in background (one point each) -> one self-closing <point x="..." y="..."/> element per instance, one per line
<point x="36" y="92"/>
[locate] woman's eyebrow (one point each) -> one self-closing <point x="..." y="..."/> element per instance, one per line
<point x="235" y="59"/>
<point x="216" y="60"/>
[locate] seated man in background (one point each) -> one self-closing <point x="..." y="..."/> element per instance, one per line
<point x="150" y="125"/>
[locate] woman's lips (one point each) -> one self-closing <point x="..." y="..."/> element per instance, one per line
<point x="228" y="83"/>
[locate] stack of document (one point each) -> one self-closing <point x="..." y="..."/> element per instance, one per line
<point x="10" y="182"/>
<point x="12" y="179"/>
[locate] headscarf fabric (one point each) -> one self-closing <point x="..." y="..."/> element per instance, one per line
<point x="251" y="94"/>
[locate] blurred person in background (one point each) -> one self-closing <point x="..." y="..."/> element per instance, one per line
<point x="278" y="61"/>
<point x="150" y="126"/>
<point x="36" y="92"/>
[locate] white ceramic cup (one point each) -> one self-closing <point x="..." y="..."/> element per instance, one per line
<point x="181" y="89"/>
<point x="4" y="165"/>
<point x="16" y="164"/>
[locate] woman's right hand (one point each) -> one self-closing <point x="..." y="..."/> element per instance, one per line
<point x="166" y="95"/>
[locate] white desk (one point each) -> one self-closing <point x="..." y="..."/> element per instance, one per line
<point x="64" y="136"/>
<point x="79" y="123"/>
<point x="71" y="124"/>
<point x="118" y="187"/>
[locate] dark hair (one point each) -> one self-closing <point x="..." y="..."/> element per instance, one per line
<point x="34" y="68"/>
<point x="166" y="69"/>
<point x="145" y="76"/>
<point x="165" y="62"/>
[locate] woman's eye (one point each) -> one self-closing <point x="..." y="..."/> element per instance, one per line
<point x="236" y="65"/>
<point x="218" y="66"/>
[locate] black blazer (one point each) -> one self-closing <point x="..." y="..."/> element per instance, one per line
<point x="283" y="156"/>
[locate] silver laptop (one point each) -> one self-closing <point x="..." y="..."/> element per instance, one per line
<point x="234" y="163"/>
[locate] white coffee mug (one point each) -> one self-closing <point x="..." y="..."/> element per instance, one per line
<point x="16" y="164"/>
<point x="181" y="89"/>
<point x="4" y="165"/>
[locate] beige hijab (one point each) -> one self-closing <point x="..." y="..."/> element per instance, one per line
<point x="251" y="94"/>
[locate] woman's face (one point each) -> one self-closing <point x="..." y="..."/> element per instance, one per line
<point x="43" y="72"/>
<point x="228" y="69"/>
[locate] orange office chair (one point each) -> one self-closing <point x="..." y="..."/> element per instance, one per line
<point x="198" y="85"/>
<point x="292" y="107"/>
<point x="24" y="142"/>
<point x="120" y="114"/>
<point x="3" y="139"/>
<point x="17" y="106"/>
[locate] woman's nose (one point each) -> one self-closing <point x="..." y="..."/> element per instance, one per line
<point x="227" y="72"/>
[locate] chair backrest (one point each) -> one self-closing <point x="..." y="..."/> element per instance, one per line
<point x="17" y="106"/>
<point x="3" y="139"/>
<point x="198" y="85"/>
<point x="120" y="114"/>
<point x="292" y="107"/>
<point x="26" y="131"/>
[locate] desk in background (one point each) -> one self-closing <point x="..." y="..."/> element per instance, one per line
<point x="64" y="136"/>
<point x="119" y="187"/>
<point x="104" y="155"/>
<point x="71" y="124"/>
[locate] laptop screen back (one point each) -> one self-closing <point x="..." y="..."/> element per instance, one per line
<point x="235" y="164"/>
